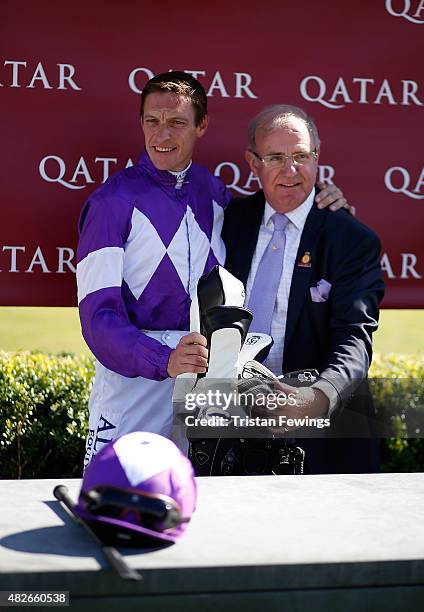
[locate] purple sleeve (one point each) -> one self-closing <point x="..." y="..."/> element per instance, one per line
<point x="105" y="224"/>
<point x="221" y="193"/>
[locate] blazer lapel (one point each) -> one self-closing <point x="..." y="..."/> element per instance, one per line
<point x="247" y="233"/>
<point x="302" y="273"/>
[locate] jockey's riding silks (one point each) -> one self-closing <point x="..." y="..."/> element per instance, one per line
<point x="146" y="237"/>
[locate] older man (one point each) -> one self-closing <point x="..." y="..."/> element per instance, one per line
<point x="146" y="237"/>
<point x="313" y="281"/>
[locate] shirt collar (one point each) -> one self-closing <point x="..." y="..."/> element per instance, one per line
<point x="184" y="172"/>
<point x="180" y="175"/>
<point x="164" y="176"/>
<point x="296" y="216"/>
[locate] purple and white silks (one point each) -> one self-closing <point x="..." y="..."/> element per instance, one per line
<point x="144" y="463"/>
<point x="143" y="246"/>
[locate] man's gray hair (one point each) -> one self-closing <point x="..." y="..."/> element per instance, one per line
<point x="274" y="117"/>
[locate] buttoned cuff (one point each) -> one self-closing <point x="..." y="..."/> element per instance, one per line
<point x="329" y="391"/>
<point x="163" y="358"/>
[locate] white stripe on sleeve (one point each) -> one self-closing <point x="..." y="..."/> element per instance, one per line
<point x="99" y="270"/>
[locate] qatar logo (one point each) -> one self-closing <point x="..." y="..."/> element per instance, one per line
<point x="360" y="90"/>
<point x="53" y="169"/>
<point x="398" y="180"/>
<point x="16" y="73"/>
<point x="412" y="11"/>
<point x="237" y="86"/>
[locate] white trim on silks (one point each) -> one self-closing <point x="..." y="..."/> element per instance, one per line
<point x="156" y="455"/>
<point x="144" y="239"/>
<point x="100" y="269"/>
<point x="217" y="244"/>
<point x="169" y="337"/>
<point x="179" y="254"/>
<point x="120" y="405"/>
<point x="199" y="250"/>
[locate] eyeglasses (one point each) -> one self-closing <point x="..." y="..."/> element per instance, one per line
<point x="152" y="511"/>
<point x="275" y="160"/>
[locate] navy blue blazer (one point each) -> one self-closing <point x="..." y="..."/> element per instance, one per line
<point x="335" y="336"/>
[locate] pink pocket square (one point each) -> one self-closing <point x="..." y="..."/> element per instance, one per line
<point x="321" y="292"/>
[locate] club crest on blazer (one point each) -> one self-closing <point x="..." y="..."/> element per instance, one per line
<point x="306" y="260"/>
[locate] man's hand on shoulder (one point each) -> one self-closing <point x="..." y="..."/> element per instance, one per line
<point x="191" y="355"/>
<point x="332" y="196"/>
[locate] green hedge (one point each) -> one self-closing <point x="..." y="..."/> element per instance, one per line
<point x="43" y="414"/>
<point x="397" y="385"/>
<point x="44" y="398"/>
